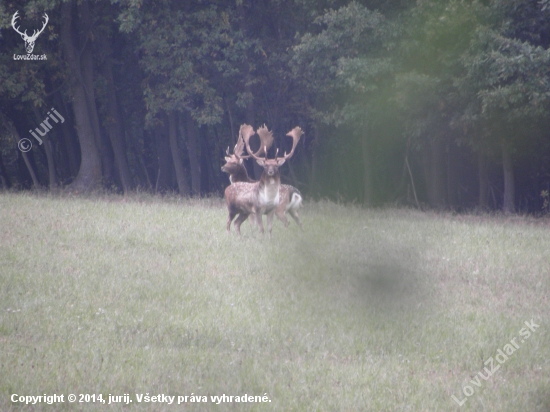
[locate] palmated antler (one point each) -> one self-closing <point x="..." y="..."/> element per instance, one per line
<point x="245" y="132"/>
<point x="266" y="140"/>
<point x="238" y="150"/>
<point x="239" y="147"/>
<point x="295" y="133"/>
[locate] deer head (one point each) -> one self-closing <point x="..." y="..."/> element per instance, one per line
<point x="234" y="166"/>
<point x="29" y="40"/>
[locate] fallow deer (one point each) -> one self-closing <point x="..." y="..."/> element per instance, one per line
<point x="262" y="197"/>
<point x="290" y="198"/>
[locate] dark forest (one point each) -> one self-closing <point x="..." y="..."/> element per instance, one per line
<point x="432" y="104"/>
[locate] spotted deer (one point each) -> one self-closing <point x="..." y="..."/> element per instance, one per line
<point x="290" y="198"/>
<point x="262" y="197"/>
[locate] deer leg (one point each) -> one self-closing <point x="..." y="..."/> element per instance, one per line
<point x="230" y="219"/>
<point x="252" y="219"/>
<point x="270" y="221"/>
<point x="281" y="216"/>
<point x="240" y="219"/>
<point x="259" y="221"/>
<point x="294" y="214"/>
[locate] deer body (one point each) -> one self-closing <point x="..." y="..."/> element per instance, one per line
<point x="289" y="200"/>
<point x="262" y="197"/>
<point x="240" y="199"/>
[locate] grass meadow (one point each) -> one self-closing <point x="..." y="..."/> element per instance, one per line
<point x="366" y="310"/>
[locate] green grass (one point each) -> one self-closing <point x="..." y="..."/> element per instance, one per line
<point x="367" y="310"/>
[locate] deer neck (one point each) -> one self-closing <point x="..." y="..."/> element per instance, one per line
<point x="240" y="175"/>
<point x="268" y="190"/>
<point x="237" y="173"/>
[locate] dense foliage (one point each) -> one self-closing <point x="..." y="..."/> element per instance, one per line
<point x="430" y="103"/>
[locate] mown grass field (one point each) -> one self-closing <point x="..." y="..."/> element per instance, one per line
<point x="367" y="310"/>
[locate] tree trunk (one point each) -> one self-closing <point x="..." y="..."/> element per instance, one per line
<point x="27" y="161"/>
<point x="52" y="179"/>
<point x="17" y="126"/>
<point x="451" y="176"/>
<point x="6" y="184"/>
<point x="311" y="164"/>
<point x="315" y="187"/>
<point x="508" y="205"/>
<point x="113" y="124"/>
<point x="139" y="156"/>
<point x="87" y="65"/>
<point x="176" y="155"/>
<point x="434" y="173"/>
<point x="436" y="192"/>
<point x="191" y="141"/>
<point x="164" y="160"/>
<point x="367" y="172"/>
<point x="230" y="114"/>
<point x="207" y="170"/>
<point x="69" y="139"/>
<point x="89" y="174"/>
<point x="483" y="203"/>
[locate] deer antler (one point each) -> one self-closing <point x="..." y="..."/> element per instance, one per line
<point x="13" y="20"/>
<point x="35" y="33"/>
<point x="245" y="132"/>
<point x="238" y="150"/>
<point x="295" y="133"/>
<point x="266" y="140"/>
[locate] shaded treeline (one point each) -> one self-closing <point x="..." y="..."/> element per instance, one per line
<point x="430" y="103"/>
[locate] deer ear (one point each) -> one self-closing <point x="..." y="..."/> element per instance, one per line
<point x="241" y="161"/>
<point x="280" y="161"/>
<point x="261" y="162"/>
<point x="227" y="159"/>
